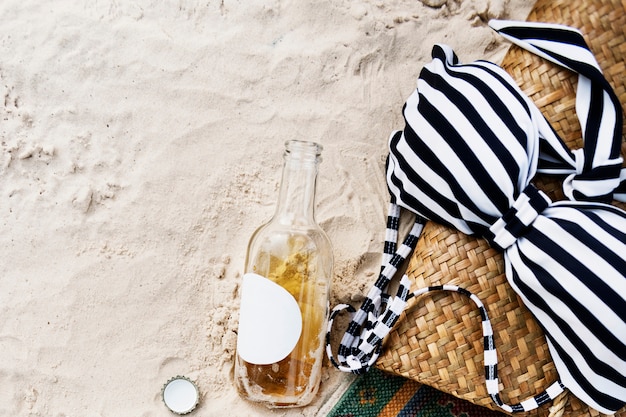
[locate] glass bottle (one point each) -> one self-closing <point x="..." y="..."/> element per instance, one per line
<point x="285" y="290"/>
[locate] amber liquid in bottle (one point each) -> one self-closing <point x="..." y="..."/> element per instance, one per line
<point x="293" y="252"/>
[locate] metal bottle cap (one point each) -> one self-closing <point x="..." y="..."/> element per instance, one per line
<point x="180" y="395"/>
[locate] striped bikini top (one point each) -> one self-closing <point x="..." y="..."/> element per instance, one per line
<point x="471" y="145"/>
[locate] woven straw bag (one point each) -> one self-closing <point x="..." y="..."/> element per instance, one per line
<point x="438" y="341"/>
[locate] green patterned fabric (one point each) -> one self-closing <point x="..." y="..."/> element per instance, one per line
<point x="378" y="394"/>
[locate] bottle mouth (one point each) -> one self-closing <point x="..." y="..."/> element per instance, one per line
<point x="304" y="150"/>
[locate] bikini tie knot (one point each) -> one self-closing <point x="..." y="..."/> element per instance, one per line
<point x="518" y="220"/>
<point x="593" y="183"/>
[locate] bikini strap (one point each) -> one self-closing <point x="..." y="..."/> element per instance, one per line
<point x="596" y="169"/>
<point x="361" y="344"/>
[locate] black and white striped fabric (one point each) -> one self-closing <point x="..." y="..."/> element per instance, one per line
<point x="361" y="345"/>
<point x="472" y="144"/>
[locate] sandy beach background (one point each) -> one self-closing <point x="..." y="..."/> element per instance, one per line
<point x="141" y="144"/>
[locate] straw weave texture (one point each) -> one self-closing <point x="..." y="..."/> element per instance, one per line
<point x="438" y="340"/>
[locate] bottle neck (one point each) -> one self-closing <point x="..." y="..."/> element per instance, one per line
<point x="296" y="201"/>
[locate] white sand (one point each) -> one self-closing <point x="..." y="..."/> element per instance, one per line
<point x="141" y="145"/>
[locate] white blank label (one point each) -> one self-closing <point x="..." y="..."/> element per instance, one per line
<point x="270" y="321"/>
